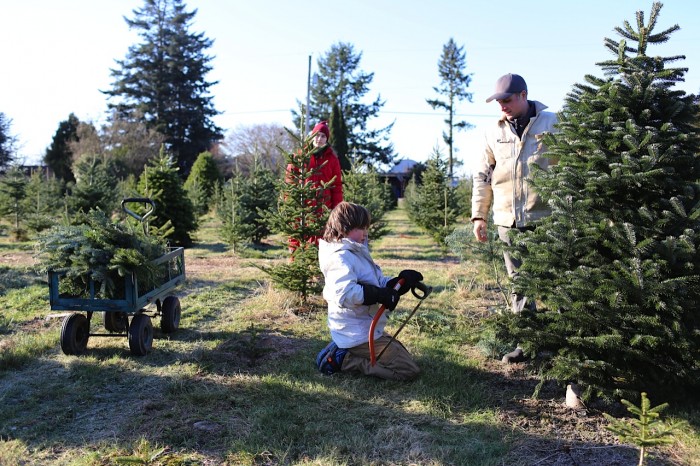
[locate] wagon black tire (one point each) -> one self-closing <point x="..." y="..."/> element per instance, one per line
<point x="140" y="335"/>
<point x="170" y="314"/>
<point x="75" y="332"/>
<point x="116" y="321"/>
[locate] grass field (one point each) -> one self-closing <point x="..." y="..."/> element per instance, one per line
<point x="237" y="384"/>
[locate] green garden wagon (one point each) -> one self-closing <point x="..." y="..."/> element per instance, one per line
<point x="127" y="315"/>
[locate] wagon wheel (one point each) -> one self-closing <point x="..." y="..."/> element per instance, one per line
<point x="75" y="332"/>
<point x="140" y="335"/>
<point x="170" y="314"/>
<point x="115" y="321"/>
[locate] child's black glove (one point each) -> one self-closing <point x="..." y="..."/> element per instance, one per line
<point x="410" y="279"/>
<point x="386" y="296"/>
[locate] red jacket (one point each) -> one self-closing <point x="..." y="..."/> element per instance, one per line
<point x="333" y="195"/>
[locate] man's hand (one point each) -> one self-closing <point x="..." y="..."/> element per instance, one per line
<point x="480" y="230"/>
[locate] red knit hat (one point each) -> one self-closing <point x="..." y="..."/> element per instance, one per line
<point x="323" y="128"/>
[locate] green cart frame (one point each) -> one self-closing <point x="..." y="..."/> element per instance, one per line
<point x="127" y="316"/>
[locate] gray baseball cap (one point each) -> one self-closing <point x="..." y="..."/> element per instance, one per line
<point x="507" y="85"/>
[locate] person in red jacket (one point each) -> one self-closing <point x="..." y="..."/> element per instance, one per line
<point x="323" y="153"/>
<point x="323" y="156"/>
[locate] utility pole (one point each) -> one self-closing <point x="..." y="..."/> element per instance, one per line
<point x="308" y="92"/>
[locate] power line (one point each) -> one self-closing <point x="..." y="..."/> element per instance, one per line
<point x="247" y="112"/>
<point x="473" y="115"/>
<point x="384" y="112"/>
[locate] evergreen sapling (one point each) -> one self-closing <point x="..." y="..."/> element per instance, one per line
<point x="301" y="218"/>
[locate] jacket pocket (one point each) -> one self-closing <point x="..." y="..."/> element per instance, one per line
<point x="504" y="150"/>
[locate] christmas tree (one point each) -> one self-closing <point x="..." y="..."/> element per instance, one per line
<point x="174" y="211"/>
<point x="362" y="185"/>
<point x="615" y="268"/>
<point x="301" y="218"/>
<point x="44" y="201"/>
<point x="95" y="186"/>
<point x="202" y="181"/>
<point x="243" y="202"/>
<point x="13" y="186"/>
<point x="432" y="204"/>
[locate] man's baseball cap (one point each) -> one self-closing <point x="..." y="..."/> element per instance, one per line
<point x="507" y="85"/>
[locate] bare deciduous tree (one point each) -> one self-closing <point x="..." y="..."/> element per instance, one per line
<point x="245" y="144"/>
<point x="128" y="143"/>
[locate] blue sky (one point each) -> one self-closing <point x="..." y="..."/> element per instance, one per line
<point x="58" y="54"/>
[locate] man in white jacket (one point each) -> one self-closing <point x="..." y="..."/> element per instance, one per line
<point x="502" y="170"/>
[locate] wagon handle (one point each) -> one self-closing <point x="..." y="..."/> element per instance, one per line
<point x="140" y="218"/>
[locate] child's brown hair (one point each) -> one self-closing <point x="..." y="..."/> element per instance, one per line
<point x="344" y="218"/>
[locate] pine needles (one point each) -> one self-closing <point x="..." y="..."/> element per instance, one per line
<point x="99" y="251"/>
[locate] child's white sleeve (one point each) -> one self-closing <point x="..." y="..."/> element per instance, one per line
<point x="384" y="280"/>
<point x="341" y="286"/>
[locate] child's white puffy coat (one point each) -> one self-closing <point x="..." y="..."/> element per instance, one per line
<point x="345" y="265"/>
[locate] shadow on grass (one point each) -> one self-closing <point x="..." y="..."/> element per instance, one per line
<point x="22" y="277"/>
<point x="410" y="254"/>
<point x="263" y="250"/>
<point x="257" y="390"/>
<point x="217" y="247"/>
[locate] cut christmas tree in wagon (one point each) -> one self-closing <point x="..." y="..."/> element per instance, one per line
<point x="96" y="265"/>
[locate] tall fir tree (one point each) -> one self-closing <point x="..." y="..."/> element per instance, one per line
<point x="341" y="82"/>
<point x="453" y="88"/>
<point x="339" y="137"/>
<point x="615" y="269"/>
<point x="59" y="155"/>
<point x="162" y="80"/>
<point x="161" y="183"/>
